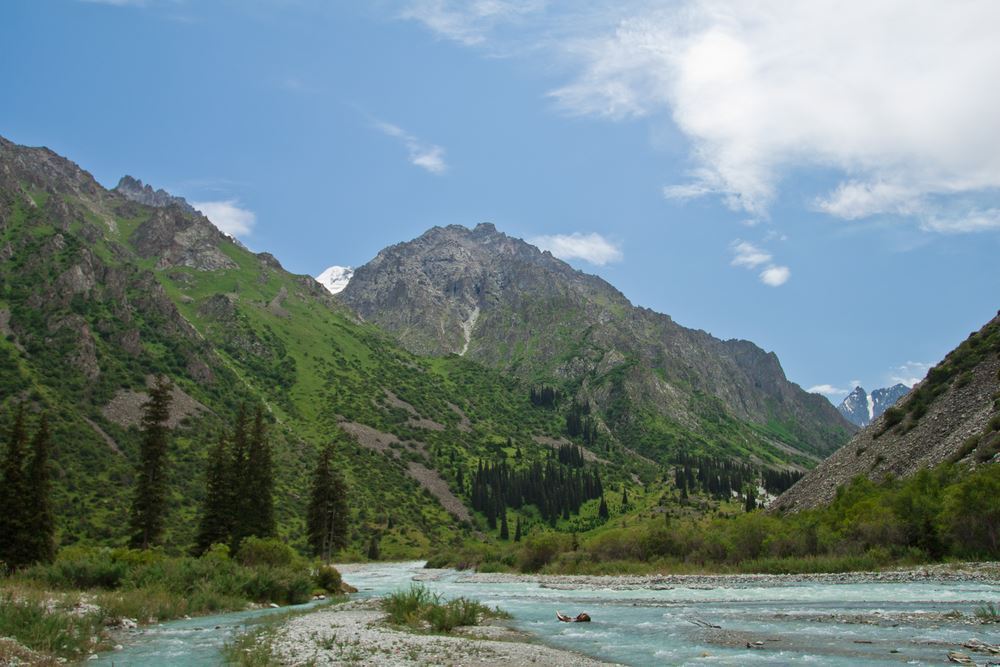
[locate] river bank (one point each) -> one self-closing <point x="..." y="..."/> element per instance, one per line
<point x="357" y="632"/>
<point x="988" y="572"/>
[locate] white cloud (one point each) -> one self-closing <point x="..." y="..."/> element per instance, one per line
<point x="909" y="373"/>
<point x="469" y="22"/>
<point x="828" y="390"/>
<point x="592" y="247"/>
<point x="897" y="102"/>
<point x="421" y="154"/>
<point x="973" y="220"/>
<point x="886" y="94"/>
<point x="228" y="216"/>
<point x="775" y="276"/>
<point x="748" y="255"/>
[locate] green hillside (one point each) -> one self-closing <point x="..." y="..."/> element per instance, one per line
<point x="98" y="294"/>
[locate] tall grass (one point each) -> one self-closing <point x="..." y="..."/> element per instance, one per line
<point x="418" y="607"/>
<point x="31" y="620"/>
<point x="38" y="605"/>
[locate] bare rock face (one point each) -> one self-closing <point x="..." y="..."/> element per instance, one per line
<point x="952" y="415"/>
<point x="177" y="239"/>
<point x="134" y="190"/>
<point x="502" y="301"/>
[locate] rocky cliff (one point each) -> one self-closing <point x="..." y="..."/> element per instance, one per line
<point x="952" y="415"/>
<point x="657" y="385"/>
<point x="134" y="190"/>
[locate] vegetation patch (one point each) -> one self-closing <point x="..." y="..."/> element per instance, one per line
<point x="419" y="608"/>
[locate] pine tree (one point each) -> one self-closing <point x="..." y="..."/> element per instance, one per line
<point x="217" y="511"/>
<point x="149" y="505"/>
<point x="14" y="528"/>
<point x="751" y="501"/>
<point x="602" y="509"/>
<point x="504" y="530"/>
<point x="373" y="551"/>
<point x="238" y="479"/>
<point x="40" y="516"/>
<point x="624" y="498"/>
<point x="326" y="521"/>
<point x="517" y="530"/>
<point x="259" y="497"/>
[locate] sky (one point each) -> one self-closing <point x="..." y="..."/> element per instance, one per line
<point x="821" y="178"/>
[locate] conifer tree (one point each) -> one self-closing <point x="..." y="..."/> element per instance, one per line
<point x="602" y="509"/>
<point x="237" y="478"/>
<point x="217" y="512"/>
<point x="504" y="530"/>
<point x="258" y="501"/>
<point x="373" y="550"/>
<point x="517" y="530"/>
<point x="326" y="521"/>
<point x="751" y="501"/>
<point x="14" y="497"/>
<point x="40" y="516"/>
<point x="624" y="498"/>
<point x="149" y="505"/>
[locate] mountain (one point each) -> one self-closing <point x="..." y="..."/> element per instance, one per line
<point x="646" y="382"/>
<point x="335" y="278"/>
<point x="100" y="292"/>
<point x="860" y="407"/>
<point x="134" y="190"/>
<point x="952" y="415"/>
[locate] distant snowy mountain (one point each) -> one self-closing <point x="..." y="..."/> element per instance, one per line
<point x="861" y="408"/>
<point x="335" y="278"/>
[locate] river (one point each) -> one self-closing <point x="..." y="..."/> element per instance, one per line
<point x="795" y="622"/>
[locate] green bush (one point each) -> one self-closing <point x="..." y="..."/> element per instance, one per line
<point x="256" y="551"/>
<point x="82" y="568"/>
<point x="328" y="578"/>
<point x="540" y="549"/>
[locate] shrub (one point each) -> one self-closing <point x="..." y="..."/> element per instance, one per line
<point x="256" y="551"/>
<point x="328" y="578"/>
<point x="891" y="417"/>
<point x="82" y="567"/>
<point x="540" y="549"/>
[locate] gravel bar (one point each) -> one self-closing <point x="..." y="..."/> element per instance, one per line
<point x="357" y="633"/>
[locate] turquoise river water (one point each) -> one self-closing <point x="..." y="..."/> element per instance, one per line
<point x="794" y="622"/>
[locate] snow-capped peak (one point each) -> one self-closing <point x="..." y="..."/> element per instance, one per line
<point x="335" y="278"/>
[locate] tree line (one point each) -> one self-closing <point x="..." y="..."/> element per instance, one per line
<point x="556" y="489"/>
<point x="239" y="497"/>
<point x="721" y="478"/>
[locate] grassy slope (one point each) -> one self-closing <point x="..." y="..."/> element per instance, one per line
<point x="307" y="359"/>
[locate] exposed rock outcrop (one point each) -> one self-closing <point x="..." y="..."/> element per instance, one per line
<point x="952" y="415"/>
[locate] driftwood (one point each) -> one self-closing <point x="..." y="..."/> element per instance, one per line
<point x="579" y="618"/>
<point x="703" y="624"/>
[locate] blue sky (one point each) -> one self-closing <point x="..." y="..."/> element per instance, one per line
<point x="820" y="178"/>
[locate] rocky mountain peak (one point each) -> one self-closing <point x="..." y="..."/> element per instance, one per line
<point x="133" y="189"/>
<point x="861" y="408"/>
<point x="501" y="301"/>
<point x="335" y="278"/>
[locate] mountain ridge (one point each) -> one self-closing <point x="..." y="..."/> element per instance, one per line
<point x="503" y="302"/>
